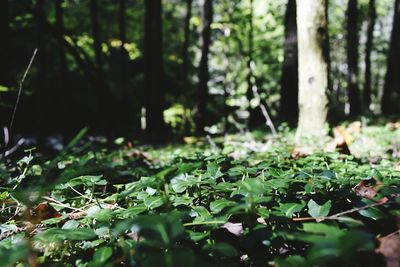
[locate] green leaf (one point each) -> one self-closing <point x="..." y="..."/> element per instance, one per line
<point x="291" y="261"/>
<point x="153" y="202"/>
<point x="220" y="204"/>
<point x="102" y="254"/>
<point x="59" y="235"/>
<point x="221" y="249"/>
<point x="288" y="209"/>
<point x="316" y="210"/>
<point x="100" y="214"/>
<point x="374" y="213"/>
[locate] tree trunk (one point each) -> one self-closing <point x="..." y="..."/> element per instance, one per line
<point x="41" y="97"/>
<point x="313" y="68"/>
<point x="61" y="30"/>
<point x="204" y="75"/>
<point x="185" y="47"/>
<point x="185" y="63"/>
<point x="4" y="44"/>
<point x="368" y="49"/>
<point x="392" y="78"/>
<point x="96" y="35"/>
<point x="352" y="58"/>
<point x="154" y="73"/>
<point x="104" y="120"/>
<point x="255" y="115"/>
<point x="127" y="116"/>
<point x="41" y="45"/>
<point x="289" y="109"/>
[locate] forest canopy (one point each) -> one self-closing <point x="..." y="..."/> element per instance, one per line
<point x="208" y="64"/>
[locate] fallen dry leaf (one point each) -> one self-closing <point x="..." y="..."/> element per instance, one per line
<point x="234" y="228"/>
<point x="390" y="248"/>
<point x="363" y="189"/>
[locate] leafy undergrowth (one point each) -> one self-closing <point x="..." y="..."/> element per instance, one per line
<point x="234" y="204"/>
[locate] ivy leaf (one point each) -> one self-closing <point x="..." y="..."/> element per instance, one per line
<point x="288" y="209"/>
<point x="316" y="210"/>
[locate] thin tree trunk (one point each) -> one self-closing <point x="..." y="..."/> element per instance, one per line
<point x="352" y="57"/>
<point x="185" y="62"/>
<point x="4" y="44"/>
<point x="128" y="119"/>
<point x="313" y="68"/>
<point x="96" y="35"/>
<point x="289" y="81"/>
<point x="61" y="30"/>
<point x="392" y="77"/>
<point x="154" y="73"/>
<point x="40" y="42"/>
<point x="186" y="42"/>
<point x="204" y="74"/>
<point x="104" y="120"/>
<point x="255" y="114"/>
<point x="368" y="49"/>
<point x="41" y="94"/>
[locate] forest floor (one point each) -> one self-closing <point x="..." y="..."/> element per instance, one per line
<point x="240" y="200"/>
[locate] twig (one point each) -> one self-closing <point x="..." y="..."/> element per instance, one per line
<point x="212" y="143"/>
<point x="203" y="223"/>
<point x="7" y="132"/>
<point x="14" y="148"/>
<point x="337" y="215"/>
<point x="268" y="120"/>
<point x="20" y="89"/>
<point x="390" y="235"/>
<point x="61" y="204"/>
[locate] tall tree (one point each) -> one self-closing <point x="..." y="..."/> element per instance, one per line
<point x="186" y="61"/>
<point x="61" y="30"/>
<point x="186" y="42"/>
<point x="352" y="57"/>
<point x="255" y="115"/>
<point x="368" y="49"/>
<point x="154" y="72"/>
<point x="204" y="74"/>
<point x="392" y="77"/>
<point x="4" y="44"/>
<point x="39" y="16"/>
<point x="96" y="34"/>
<point x="313" y="68"/>
<point x="289" y="109"/>
<point x="122" y="61"/>
<point x="105" y="120"/>
<point x="123" y="52"/>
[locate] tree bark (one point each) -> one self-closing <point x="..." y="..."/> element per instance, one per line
<point x="204" y="74"/>
<point x="289" y="109"/>
<point x="313" y="68"/>
<point x="5" y="79"/>
<point x="154" y="72"/>
<point x="352" y="57"/>
<point x="368" y="49"/>
<point x="392" y="77"/>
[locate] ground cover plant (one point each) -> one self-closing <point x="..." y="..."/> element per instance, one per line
<point x="225" y="202"/>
